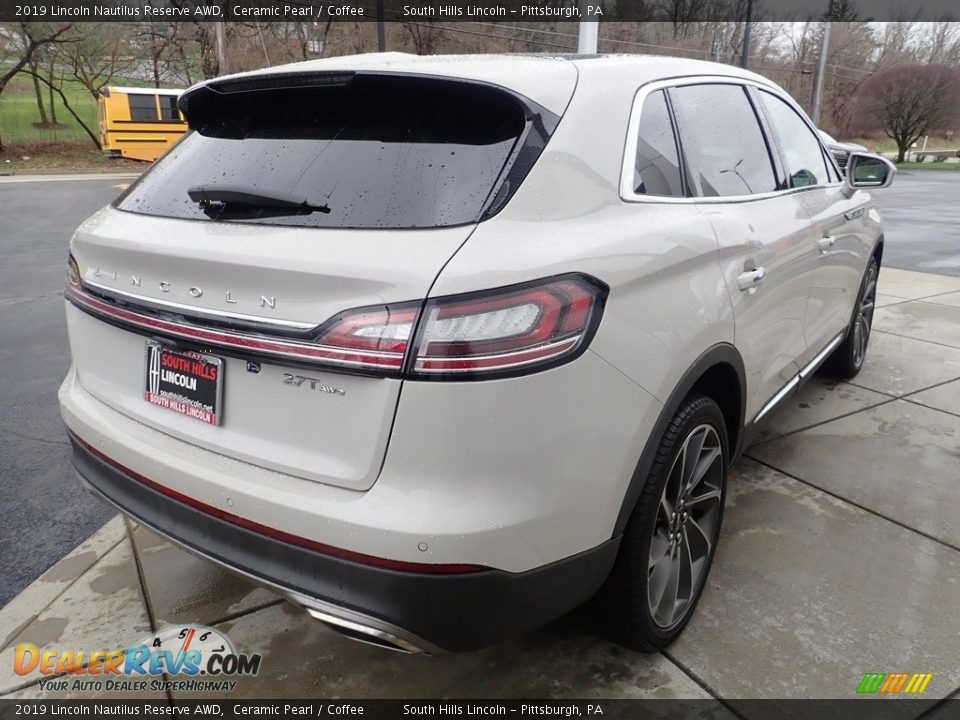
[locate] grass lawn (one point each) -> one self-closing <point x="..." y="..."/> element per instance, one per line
<point x="955" y="166"/>
<point x="64" y="148"/>
<point x="19" y="113"/>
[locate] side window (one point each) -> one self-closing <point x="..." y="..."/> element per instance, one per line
<point x="168" y="108"/>
<point x="657" y="169"/>
<point x="143" y="108"/>
<point x="802" y="153"/>
<point x="722" y="142"/>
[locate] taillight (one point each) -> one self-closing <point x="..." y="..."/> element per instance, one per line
<point x="510" y="330"/>
<point x="506" y="331"/>
<point x="371" y="338"/>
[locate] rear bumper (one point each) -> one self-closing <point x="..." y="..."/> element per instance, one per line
<point x="404" y="610"/>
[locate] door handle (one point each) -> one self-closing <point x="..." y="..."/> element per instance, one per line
<point x="825" y="243"/>
<point x="750" y="279"/>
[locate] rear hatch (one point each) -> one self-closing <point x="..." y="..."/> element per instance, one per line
<point x="231" y="268"/>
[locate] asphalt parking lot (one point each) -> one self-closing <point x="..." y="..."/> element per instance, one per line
<point x="840" y="552"/>
<point x="43" y="513"/>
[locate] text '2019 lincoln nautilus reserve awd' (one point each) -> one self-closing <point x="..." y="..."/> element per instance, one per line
<point x="442" y="348"/>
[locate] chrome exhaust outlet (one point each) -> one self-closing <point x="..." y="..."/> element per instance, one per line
<point x="365" y="633"/>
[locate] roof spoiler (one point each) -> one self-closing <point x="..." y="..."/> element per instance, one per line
<point x="257" y="83"/>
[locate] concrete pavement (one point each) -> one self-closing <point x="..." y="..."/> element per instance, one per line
<point x="840" y="555"/>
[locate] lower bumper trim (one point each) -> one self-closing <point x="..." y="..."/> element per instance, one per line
<point x="407" y="611"/>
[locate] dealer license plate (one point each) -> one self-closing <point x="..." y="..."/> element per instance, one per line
<point x="184" y="381"/>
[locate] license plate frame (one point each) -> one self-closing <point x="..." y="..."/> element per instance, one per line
<point x="185" y="381"/>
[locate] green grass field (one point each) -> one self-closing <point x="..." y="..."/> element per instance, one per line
<point x="19" y="113"/>
<point x="955" y="166"/>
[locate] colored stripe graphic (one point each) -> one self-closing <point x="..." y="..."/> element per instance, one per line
<point x="894" y="683"/>
<point x="871" y="682"/>
<point x="918" y="683"/>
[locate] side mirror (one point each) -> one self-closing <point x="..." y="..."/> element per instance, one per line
<point x="865" y="170"/>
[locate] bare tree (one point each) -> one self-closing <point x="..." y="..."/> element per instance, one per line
<point x="164" y="43"/>
<point x="41" y="108"/>
<point x="852" y="44"/>
<point x="57" y="87"/>
<point x="424" y="35"/>
<point x="21" y="41"/>
<point x="908" y="101"/>
<point x="940" y="43"/>
<point x="896" y="43"/>
<point x="96" y="52"/>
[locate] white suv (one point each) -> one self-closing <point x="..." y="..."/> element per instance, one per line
<point x="442" y="348"/>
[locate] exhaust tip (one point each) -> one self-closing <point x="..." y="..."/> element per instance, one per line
<point x="365" y="633"/>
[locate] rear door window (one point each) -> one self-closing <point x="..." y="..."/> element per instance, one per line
<point x="365" y="151"/>
<point x="723" y="146"/>
<point x="657" y="169"/>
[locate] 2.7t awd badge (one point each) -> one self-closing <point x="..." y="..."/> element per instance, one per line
<point x="313" y="383"/>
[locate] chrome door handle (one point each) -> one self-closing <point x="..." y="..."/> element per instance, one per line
<point x="749" y="279"/>
<point x="825" y="243"/>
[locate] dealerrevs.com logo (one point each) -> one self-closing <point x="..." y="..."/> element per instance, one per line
<point x="198" y="657"/>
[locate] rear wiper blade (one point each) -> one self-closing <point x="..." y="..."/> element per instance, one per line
<point x="252" y="197"/>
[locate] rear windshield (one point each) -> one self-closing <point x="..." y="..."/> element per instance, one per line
<point x="364" y="151"/>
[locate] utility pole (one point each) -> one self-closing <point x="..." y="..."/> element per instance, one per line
<point x="381" y="33"/>
<point x="821" y="71"/>
<point x="220" y="31"/>
<point x="745" y="53"/>
<point x="589" y="31"/>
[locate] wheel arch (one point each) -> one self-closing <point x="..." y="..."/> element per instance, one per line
<point x="717" y="373"/>
<point x="878" y="250"/>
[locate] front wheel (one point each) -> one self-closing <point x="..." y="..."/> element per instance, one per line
<point x="671" y="537"/>
<point x="847" y="360"/>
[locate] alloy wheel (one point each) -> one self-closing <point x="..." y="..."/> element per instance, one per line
<point x="864" y="317"/>
<point x="686" y="527"/>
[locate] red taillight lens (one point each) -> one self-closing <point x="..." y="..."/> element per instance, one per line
<point x="508" y="330"/>
<point x="371" y="338"/>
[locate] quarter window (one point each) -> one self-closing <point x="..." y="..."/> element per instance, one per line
<point x="801" y="149"/>
<point x="723" y="146"/>
<point x="657" y="169"/>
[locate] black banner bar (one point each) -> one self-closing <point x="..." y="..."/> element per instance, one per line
<point x="445" y="11"/>
<point x="218" y="707"/>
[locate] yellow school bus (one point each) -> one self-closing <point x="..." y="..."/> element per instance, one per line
<point x="139" y="123"/>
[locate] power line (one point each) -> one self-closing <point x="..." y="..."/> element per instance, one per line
<point x="447" y="28"/>
<point x="634" y="43"/>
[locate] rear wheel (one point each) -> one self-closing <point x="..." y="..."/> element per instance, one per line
<point x="847" y="360"/>
<point x="671" y="537"/>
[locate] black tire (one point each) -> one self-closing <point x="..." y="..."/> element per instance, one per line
<point x="847" y="360"/>
<point x="625" y="608"/>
